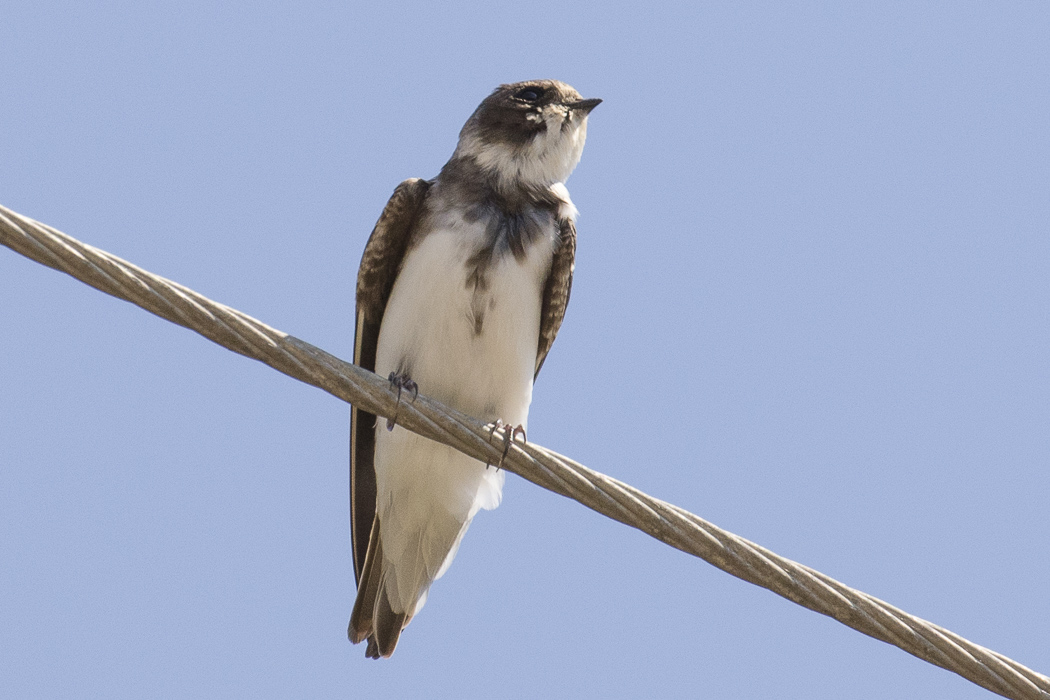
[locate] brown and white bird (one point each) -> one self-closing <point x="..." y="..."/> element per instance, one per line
<point x="463" y="286"/>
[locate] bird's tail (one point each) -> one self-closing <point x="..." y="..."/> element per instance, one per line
<point x="373" y="618"/>
<point x="415" y="536"/>
<point x="390" y="594"/>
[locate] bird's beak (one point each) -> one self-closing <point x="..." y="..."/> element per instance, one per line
<point x="584" y="106"/>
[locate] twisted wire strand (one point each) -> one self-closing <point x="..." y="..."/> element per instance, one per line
<point x="614" y="499"/>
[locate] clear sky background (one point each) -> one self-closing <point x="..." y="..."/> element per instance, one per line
<point x="812" y="305"/>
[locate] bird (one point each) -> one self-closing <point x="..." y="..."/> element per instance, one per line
<point x="462" y="288"/>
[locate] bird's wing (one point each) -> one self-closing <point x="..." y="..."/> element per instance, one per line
<point x="556" y="290"/>
<point x="380" y="265"/>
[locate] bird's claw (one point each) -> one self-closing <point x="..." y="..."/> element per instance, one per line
<point x="402" y="381"/>
<point x="509" y="433"/>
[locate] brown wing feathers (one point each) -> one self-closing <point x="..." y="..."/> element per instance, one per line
<point x="556" y="291"/>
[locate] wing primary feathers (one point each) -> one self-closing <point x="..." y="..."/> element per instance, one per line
<point x="368" y="587"/>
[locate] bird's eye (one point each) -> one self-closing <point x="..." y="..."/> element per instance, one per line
<point x="530" y="94"/>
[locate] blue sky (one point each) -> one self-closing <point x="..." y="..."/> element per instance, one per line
<point x="811" y="305"/>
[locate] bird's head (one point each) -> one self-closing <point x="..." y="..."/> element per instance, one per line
<point x="528" y="133"/>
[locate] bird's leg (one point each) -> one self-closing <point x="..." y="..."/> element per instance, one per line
<point x="509" y="434"/>
<point x="496" y="425"/>
<point x="402" y="381"/>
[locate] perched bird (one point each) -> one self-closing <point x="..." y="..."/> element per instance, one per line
<point x="463" y="286"/>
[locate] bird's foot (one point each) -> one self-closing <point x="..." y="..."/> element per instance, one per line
<point x="509" y="433"/>
<point x="401" y="381"/>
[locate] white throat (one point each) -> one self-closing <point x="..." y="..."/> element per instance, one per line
<point x="549" y="157"/>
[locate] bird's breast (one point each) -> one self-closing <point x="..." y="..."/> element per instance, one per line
<point x="463" y="318"/>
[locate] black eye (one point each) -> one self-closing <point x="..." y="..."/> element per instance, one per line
<point x="530" y="94"/>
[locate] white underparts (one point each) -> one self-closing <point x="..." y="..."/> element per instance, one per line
<point x="428" y="493"/>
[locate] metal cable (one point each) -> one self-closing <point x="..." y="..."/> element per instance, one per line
<point x="610" y="497"/>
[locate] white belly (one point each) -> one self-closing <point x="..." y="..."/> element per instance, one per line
<point x="427" y="492"/>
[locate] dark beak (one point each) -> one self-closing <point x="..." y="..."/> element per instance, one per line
<point x="584" y="106"/>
